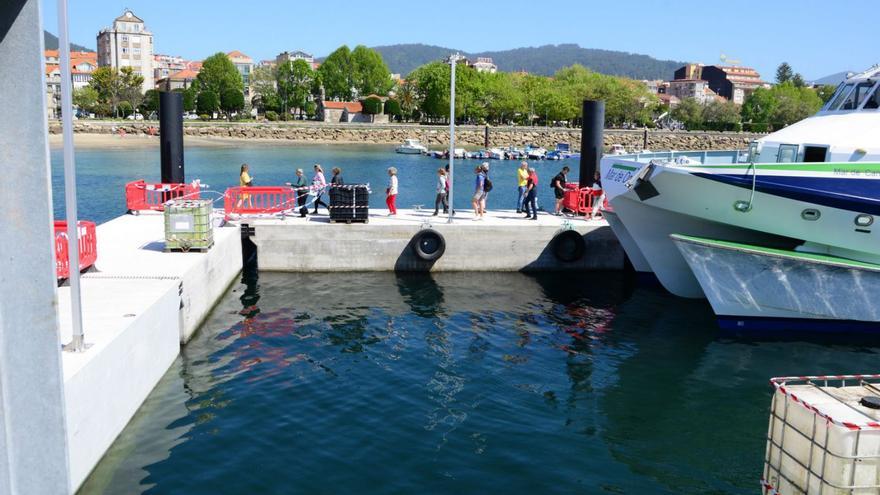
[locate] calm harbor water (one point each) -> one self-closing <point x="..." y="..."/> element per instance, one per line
<point x="103" y="172"/>
<point x="464" y="383"/>
<point x="459" y="383"/>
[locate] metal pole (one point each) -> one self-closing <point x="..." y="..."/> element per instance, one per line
<point x="453" y="60"/>
<point x="77" y="343"/>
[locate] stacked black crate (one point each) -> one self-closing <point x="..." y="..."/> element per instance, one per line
<point x="350" y="203"/>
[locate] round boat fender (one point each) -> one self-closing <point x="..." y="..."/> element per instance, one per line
<point x="568" y="246"/>
<point x="429" y="245"/>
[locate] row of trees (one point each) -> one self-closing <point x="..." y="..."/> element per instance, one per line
<point x="524" y="98"/>
<point x="294" y="87"/>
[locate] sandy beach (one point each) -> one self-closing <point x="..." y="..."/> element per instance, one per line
<point x="114" y="141"/>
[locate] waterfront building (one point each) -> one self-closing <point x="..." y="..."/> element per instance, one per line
<point x="182" y="79"/>
<point x="689" y="71"/>
<point x="245" y="66"/>
<point x="341" y="111"/>
<point x="485" y="64"/>
<point x="165" y="65"/>
<point x="697" y="89"/>
<point x="128" y="43"/>
<point x="82" y="64"/>
<point x="296" y="55"/>
<point x="733" y="83"/>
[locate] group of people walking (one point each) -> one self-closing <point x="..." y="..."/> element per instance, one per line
<point x="527" y="183"/>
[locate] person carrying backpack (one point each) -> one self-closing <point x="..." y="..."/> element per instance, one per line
<point x="558" y="186"/>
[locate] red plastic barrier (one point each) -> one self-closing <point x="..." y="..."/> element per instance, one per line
<point x="571" y="197"/>
<point x="257" y="200"/>
<point x="88" y="247"/>
<point x="141" y="196"/>
<point x="587" y="200"/>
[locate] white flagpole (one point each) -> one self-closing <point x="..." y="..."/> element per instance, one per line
<point x="77" y="343"/>
<point x="453" y="61"/>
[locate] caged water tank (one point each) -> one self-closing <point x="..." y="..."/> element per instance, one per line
<point x="188" y="225"/>
<point x="824" y="436"/>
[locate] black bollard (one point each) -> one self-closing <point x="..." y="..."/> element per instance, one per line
<point x="592" y="146"/>
<point x="171" y="136"/>
<point x="486" y="137"/>
<point x="645" y="139"/>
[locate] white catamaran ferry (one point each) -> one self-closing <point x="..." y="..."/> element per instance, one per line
<point x="809" y="191"/>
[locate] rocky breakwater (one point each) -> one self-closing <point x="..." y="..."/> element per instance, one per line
<point x="432" y="136"/>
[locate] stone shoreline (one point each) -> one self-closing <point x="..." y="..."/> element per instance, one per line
<point x="431" y="136"/>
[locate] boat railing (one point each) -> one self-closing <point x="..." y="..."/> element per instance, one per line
<point x="702" y="157"/>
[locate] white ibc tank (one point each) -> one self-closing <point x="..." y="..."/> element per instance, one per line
<point x="822" y="438"/>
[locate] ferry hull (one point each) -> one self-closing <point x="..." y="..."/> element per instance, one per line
<point x="693" y="201"/>
<point x="757" y="288"/>
<point x="638" y="260"/>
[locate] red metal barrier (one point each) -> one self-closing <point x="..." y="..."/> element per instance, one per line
<point x="88" y="247"/>
<point x="141" y="196"/>
<point x="258" y="200"/>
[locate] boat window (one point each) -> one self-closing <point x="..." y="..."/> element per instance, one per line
<point x="873" y="101"/>
<point x="856" y="96"/>
<point x="840" y="96"/>
<point x="815" y="153"/>
<point x="753" y="152"/>
<point x="834" y="96"/>
<point x="787" y="153"/>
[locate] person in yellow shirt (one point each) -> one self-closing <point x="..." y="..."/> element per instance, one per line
<point x="522" y="176"/>
<point x="244" y="180"/>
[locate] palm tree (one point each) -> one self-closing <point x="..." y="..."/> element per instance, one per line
<point x="407" y="95"/>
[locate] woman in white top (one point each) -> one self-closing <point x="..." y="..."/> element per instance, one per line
<point x="441" y="193"/>
<point x="391" y="191"/>
<point x="319" y="183"/>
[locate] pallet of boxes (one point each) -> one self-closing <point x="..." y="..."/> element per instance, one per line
<point x="188" y="225"/>
<point x="350" y="203"/>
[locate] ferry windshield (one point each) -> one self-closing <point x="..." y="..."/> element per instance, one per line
<point x="858" y="95"/>
<point x="839" y="96"/>
<point x="873" y="102"/>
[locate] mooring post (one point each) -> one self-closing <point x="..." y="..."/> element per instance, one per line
<point x="171" y="137"/>
<point x="645" y="139"/>
<point x="592" y="130"/>
<point x="486" y="136"/>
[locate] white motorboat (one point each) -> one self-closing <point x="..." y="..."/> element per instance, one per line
<point x="814" y="185"/>
<point x="411" y="147"/>
<point x="496" y="154"/>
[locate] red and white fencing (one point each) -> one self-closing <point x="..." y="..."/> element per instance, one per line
<point x="88" y="247"/>
<point x="142" y="196"/>
<point x="258" y="200"/>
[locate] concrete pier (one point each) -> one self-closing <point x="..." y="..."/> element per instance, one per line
<point x="139" y="305"/>
<point x="503" y="241"/>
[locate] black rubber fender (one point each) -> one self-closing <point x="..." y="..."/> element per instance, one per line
<point x="568" y="246"/>
<point x="429" y="245"/>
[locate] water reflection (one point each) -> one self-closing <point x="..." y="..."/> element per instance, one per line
<point x="377" y="383"/>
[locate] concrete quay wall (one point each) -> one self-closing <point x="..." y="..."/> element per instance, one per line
<point x="431" y="136"/>
<point x="505" y="242"/>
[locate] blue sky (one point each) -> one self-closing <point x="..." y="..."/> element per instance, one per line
<point x="759" y="33"/>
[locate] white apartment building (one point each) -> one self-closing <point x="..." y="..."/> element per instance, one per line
<point x="165" y="65"/>
<point x="296" y="55"/>
<point x="127" y="43"/>
<point x="485" y="64"/>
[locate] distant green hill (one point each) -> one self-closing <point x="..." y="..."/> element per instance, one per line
<point x="544" y="60"/>
<point x="51" y="42"/>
